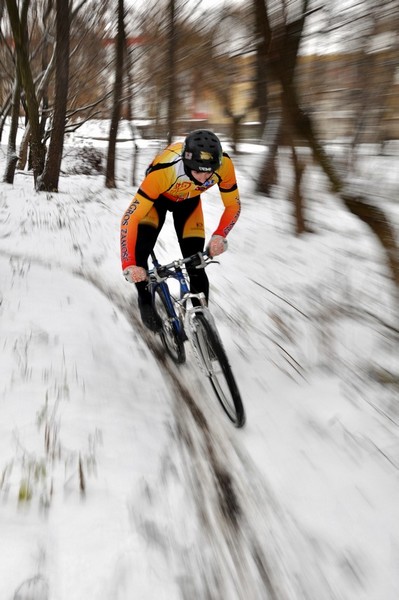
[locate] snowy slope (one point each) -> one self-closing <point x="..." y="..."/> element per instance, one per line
<point x="120" y="476"/>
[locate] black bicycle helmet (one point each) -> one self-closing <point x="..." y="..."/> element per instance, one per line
<point x="202" y="151"/>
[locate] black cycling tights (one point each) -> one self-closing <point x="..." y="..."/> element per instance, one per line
<point x="147" y="236"/>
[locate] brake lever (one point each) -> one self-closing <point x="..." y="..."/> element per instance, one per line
<point x="157" y="275"/>
<point x="205" y="260"/>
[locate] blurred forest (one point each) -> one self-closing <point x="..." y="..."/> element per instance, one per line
<point x="303" y="74"/>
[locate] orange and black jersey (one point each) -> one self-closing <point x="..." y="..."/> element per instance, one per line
<point x="166" y="177"/>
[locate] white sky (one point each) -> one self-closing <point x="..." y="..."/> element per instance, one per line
<point x="315" y="470"/>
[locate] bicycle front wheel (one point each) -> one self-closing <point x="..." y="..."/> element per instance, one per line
<point x="218" y="369"/>
<point x="172" y="330"/>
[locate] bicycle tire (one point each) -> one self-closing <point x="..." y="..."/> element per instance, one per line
<point x="171" y="336"/>
<point x="222" y="380"/>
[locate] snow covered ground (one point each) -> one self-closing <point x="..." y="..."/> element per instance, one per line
<point x="120" y="476"/>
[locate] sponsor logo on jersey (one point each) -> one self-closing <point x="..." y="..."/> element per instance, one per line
<point x="205" y="186"/>
<point x="179" y="187"/>
<point x="125" y="222"/>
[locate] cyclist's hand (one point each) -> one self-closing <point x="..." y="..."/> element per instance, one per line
<point x="216" y="246"/>
<point x="134" y="274"/>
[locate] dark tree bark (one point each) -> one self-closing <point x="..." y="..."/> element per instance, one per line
<point x="117" y="100"/>
<point x="48" y="181"/>
<point x="281" y="46"/>
<point x="299" y="169"/>
<point x="268" y="172"/>
<point x="40" y="90"/>
<point x="130" y="114"/>
<point x="12" y="156"/>
<point x="235" y="127"/>
<point x="45" y="61"/>
<point x="171" y="94"/>
<point x="19" y="29"/>
<point x="262" y="46"/>
<point x="5" y="111"/>
<point x="283" y="52"/>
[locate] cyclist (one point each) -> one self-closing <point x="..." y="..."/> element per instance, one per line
<point x="173" y="182"/>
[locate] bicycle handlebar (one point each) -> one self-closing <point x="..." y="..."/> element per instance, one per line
<point x="200" y="260"/>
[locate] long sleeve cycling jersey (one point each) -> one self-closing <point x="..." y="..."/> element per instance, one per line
<point x="166" y="177"/>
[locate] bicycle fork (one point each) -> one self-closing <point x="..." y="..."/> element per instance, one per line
<point x="197" y="343"/>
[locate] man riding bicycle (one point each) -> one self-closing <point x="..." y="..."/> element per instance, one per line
<point x="173" y="182"/>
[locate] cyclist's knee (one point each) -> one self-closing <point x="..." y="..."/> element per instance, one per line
<point x="191" y="245"/>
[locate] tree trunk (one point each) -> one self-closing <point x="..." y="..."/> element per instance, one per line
<point x="171" y="69"/>
<point x="268" y="173"/>
<point x="20" y="35"/>
<point x="42" y="85"/>
<point x="261" y="101"/>
<point x="299" y="169"/>
<point x="5" y="111"/>
<point x="117" y="100"/>
<point x="12" y="157"/>
<point x="45" y="62"/>
<point x="282" y="47"/>
<point x="23" y="148"/>
<point x="48" y="181"/>
<point x="130" y="115"/>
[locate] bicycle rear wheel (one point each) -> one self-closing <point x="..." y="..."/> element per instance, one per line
<point x="218" y="369"/>
<point x="172" y="330"/>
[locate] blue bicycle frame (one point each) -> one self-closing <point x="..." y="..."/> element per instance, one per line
<point x="184" y="289"/>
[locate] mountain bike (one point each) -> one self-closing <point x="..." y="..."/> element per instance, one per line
<point x="185" y="316"/>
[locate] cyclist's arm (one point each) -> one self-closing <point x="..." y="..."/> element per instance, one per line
<point x="137" y="210"/>
<point x="154" y="184"/>
<point x="230" y="197"/>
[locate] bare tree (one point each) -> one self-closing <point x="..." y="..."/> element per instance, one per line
<point x="159" y="72"/>
<point x="12" y="156"/>
<point x="261" y="80"/>
<point x="301" y="127"/>
<point x="130" y="112"/>
<point x="41" y="84"/>
<point x="89" y="57"/>
<point x="229" y="53"/>
<point x="184" y="52"/>
<point x="281" y="47"/>
<point x="8" y="71"/>
<point x="117" y="99"/>
<point x="18" y="22"/>
<point x="48" y="181"/>
<point x="87" y="68"/>
<point x="171" y="68"/>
